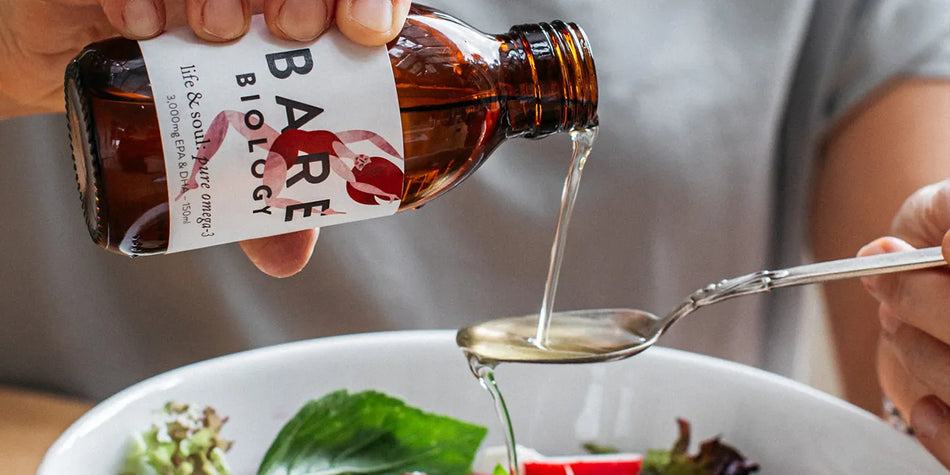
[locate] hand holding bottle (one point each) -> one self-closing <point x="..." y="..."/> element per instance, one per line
<point x="39" y="37"/>
<point x="914" y="349"/>
<point x="304" y="146"/>
<point x="369" y="22"/>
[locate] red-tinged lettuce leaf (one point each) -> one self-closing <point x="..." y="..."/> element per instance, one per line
<point x="370" y="433"/>
<point x="714" y="458"/>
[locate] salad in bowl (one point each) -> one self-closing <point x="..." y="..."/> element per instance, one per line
<point x="407" y="402"/>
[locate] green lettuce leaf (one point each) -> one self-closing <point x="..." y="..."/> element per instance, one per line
<point x="598" y="449"/>
<point x="370" y="433"/>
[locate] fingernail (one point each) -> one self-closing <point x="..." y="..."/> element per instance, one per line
<point x="223" y="18"/>
<point x="889" y="322"/>
<point x="141" y="18"/>
<point x="302" y="19"/>
<point x="871" y="249"/>
<point x="376" y="15"/>
<point x="927" y="415"/>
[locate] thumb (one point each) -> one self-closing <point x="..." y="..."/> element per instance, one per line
<point x="371" y="22"/>
<point x="925" y="216"/>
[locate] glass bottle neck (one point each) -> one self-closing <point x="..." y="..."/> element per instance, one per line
<point x="551" y="71"/>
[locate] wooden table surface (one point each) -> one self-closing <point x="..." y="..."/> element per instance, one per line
<point x="29" y="423"/>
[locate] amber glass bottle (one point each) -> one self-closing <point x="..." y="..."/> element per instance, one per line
<point x="460" y="93"/>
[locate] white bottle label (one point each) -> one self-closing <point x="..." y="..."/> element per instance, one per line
<point x="264" y="136"/>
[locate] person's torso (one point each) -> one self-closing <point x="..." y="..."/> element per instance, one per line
<point x="676" y="194"/>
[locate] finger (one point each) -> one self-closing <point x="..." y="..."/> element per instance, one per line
<point x="882" y="284"/>
<point x="371" y="22"/>
<point x="135" y="19"/>
<point x="899" y="386"/>
<point x="924" y="217"/>
<point x="918" y="298"/>
<point x="283" y="255"/>
<point x="299" y="20"/>
<point x="930" y="419"/>
<point x="926" y="359"/>
<point x="219" y="20"/>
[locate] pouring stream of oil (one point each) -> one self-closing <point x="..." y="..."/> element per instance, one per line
<point x="583" y="141"/>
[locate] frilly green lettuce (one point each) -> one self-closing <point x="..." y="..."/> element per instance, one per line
<point x="184" y="441"/>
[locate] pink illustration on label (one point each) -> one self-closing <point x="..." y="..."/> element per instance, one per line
<point x="369" y="181"/>
<point x="371" y="174"/>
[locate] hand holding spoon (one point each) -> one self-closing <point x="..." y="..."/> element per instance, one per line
<point x="588" y="336"/>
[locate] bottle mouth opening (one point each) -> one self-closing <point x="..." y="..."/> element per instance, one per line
<point x="572" y="69"/>
<point x="83" y="142"/>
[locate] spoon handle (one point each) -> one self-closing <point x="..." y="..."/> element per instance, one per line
<point x="858" y="267"/>
<point x="764" y="281"/>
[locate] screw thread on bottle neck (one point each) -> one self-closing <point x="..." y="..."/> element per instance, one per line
<point x="553" y="69"/>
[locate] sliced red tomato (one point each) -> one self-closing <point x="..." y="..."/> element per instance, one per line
<point x="607" y="464"/>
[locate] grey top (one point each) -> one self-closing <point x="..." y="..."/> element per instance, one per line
<point x="710" y="112"/>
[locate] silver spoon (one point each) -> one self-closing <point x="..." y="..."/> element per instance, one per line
<point x="588" y="336"/>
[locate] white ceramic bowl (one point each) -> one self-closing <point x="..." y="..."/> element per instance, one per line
<point x="787" y="427"/>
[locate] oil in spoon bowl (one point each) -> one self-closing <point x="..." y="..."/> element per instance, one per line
<point x="581" y="336"/>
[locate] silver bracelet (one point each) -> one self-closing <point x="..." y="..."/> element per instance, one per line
<point x="894" y="418"/>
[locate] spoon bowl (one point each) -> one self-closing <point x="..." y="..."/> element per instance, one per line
<point x="580" y="336"/>
<point x="589" y="336"/>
